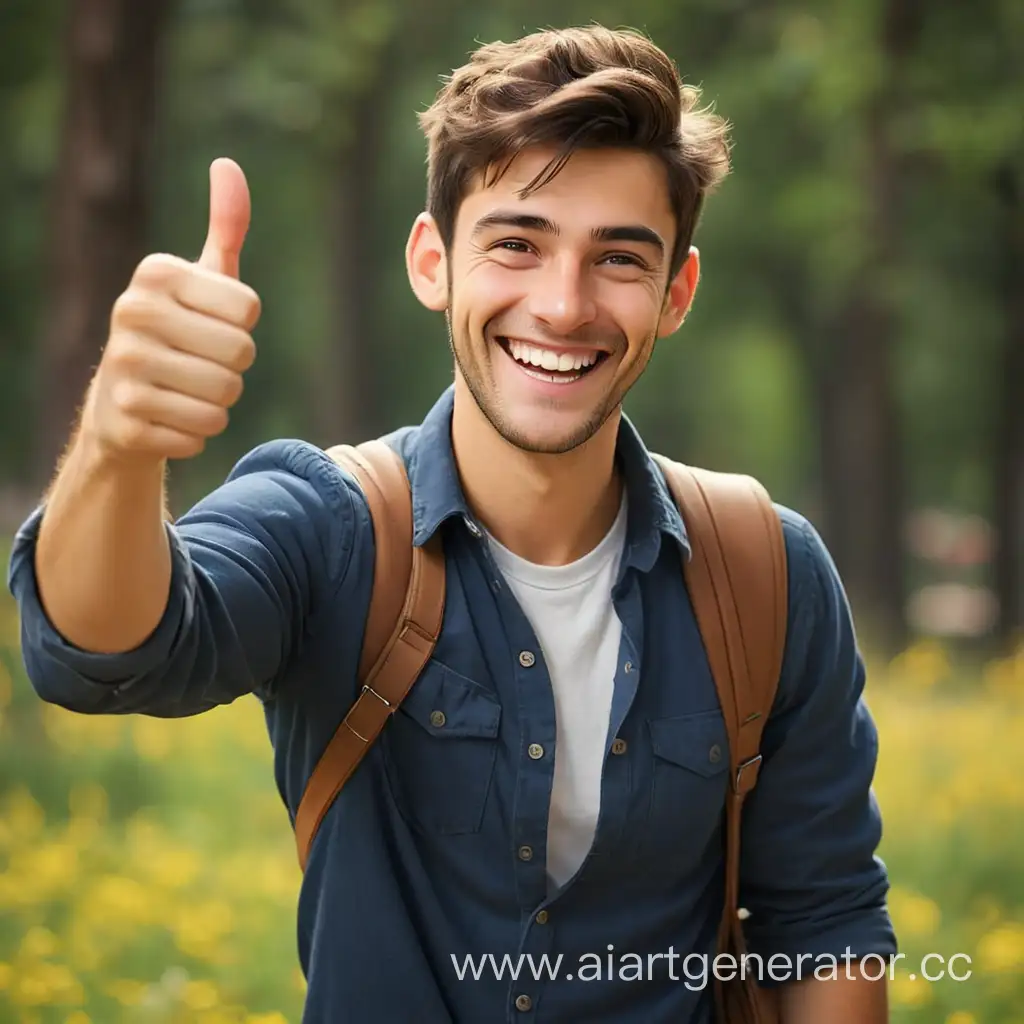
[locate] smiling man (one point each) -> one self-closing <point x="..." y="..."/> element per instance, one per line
<point x="549" y="787"/>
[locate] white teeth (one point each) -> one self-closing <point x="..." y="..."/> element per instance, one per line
<point x="532" y="355"/>
<point x="551" y="378"/>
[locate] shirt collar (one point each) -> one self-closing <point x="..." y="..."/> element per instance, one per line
<point x="437" y="493"/>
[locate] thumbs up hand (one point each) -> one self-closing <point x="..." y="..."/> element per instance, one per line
<point x="180" y="341"/>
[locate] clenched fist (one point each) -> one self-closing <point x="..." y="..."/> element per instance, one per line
<point x="179" y="341"/>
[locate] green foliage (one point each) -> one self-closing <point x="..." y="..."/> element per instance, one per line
<point x="278" y="87"/>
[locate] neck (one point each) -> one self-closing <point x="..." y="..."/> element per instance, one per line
<point x="548" y="509"/>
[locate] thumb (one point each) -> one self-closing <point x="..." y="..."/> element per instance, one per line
<point x="229" y="218"/>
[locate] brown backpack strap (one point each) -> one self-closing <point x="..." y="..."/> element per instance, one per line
<point x="402" y="627"/>
<point x="738" y="585"/>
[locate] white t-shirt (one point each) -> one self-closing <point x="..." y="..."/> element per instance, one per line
<point x="570" y="609"/>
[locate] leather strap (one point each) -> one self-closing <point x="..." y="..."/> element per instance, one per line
<point x="402" y="626"/>
<point x="738" y="586"/>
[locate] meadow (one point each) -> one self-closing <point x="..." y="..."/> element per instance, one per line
<point x="147" y="873"/>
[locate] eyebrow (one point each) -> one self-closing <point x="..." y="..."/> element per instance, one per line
<point x="531" y="222"/>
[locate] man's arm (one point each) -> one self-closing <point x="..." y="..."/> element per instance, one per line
<point x="810" y="875"/>
<point x="122" y="611"/>
<point x="250" y="565"/>
<point x="180" y="342"/>
<point x="848" y="998"/>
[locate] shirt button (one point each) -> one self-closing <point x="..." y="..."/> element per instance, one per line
<point x="471" y="526"/>
<point x="619" y="746"/>
<point x="542" y="917"/>
<point x="526" y="658"/>
<point x="523" y="1003"/>
<point x="715" y="754"/>
<point x="628" y="667"/>
<point x="525" y="853"/>
<point x="536" y="751"/>
<point x="437" y="718"/>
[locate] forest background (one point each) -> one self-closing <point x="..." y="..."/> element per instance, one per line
<point x="857" y="343"/>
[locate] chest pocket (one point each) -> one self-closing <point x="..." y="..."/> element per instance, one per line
<point x="690" y="773"/>
<point x="440" y="749"/>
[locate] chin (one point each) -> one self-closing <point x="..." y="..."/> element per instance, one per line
<point x="534" y="424"/>
<point x="547" y="434"/>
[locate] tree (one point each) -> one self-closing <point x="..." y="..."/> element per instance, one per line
<point x="862" y="465"/>
<point x="100" y="198"/>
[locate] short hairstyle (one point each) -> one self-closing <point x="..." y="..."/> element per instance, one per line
<point x="572" y="88"/>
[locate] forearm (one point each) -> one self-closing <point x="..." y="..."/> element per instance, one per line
<point x="842" y="997"/>
<point x="244" y="567"/>
<point x="103" y="561"/>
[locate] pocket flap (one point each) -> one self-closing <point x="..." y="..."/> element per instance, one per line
<point x="697" y="741"/>
<point x="448" y="705"/>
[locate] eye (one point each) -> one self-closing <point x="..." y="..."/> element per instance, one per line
<point x="512" y="245"/>
<point x="625" y="259"/>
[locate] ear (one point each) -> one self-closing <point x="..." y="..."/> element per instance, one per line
<point x="426" y="263"/>
<point x="679" y="295"/>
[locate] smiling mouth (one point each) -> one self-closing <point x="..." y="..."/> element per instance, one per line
<point x="548" y="365"/>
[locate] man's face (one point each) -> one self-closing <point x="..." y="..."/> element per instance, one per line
<point x="554" y="302"/>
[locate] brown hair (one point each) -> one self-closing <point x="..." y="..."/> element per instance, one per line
<point x="578" y="87"/>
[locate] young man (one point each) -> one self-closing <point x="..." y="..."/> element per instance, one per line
<point x="550" y="785"/>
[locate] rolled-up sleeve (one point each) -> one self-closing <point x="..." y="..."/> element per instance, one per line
<point x="251" y="562"/>
<point x="811" y="875"/>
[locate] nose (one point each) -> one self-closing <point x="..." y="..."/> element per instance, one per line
<point x="560" y="296"/>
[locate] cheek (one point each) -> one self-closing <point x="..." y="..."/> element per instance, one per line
<point x="482" y="290"/>
<point x="636" y="308"/>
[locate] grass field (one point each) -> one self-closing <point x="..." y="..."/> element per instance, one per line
<point x="147" y="872"/>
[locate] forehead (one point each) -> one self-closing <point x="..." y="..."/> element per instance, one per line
<point x="594" y="188"/>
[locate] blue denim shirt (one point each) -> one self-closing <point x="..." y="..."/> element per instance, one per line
<point x="435" y="850"/>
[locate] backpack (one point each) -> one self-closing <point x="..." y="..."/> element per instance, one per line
<point x="738" y="587"/>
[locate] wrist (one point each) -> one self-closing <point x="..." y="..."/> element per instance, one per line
<point x="95" y="459"/>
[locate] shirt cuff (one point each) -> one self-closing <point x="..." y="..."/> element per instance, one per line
<point x="825" y="952"/>
<point x="63" y="673"/>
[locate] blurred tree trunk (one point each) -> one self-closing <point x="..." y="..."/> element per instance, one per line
<point x="861" y="467"/>
<point x="861" y="440"/>
<point x="348" y="406"/>
<point x="100" y="202"/>
<point x="1009" y="438"/>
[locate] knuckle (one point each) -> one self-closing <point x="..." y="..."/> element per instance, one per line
<point x="244" y="303"/>
<point x="133" y="308"/>
<point x="158" y="270"/>
<point x="244" y="355"/>
<point x="253" y="309"/>
<point x="127" y="355"/>
<point x="131" y="433"/>
<point x="230" y="390"/>
<point x="186" y="446"/>
<point x="213" y="420"/>
<point x="127" y="396"/>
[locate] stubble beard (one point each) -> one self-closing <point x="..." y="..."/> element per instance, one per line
<point x="488" y="406"/>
